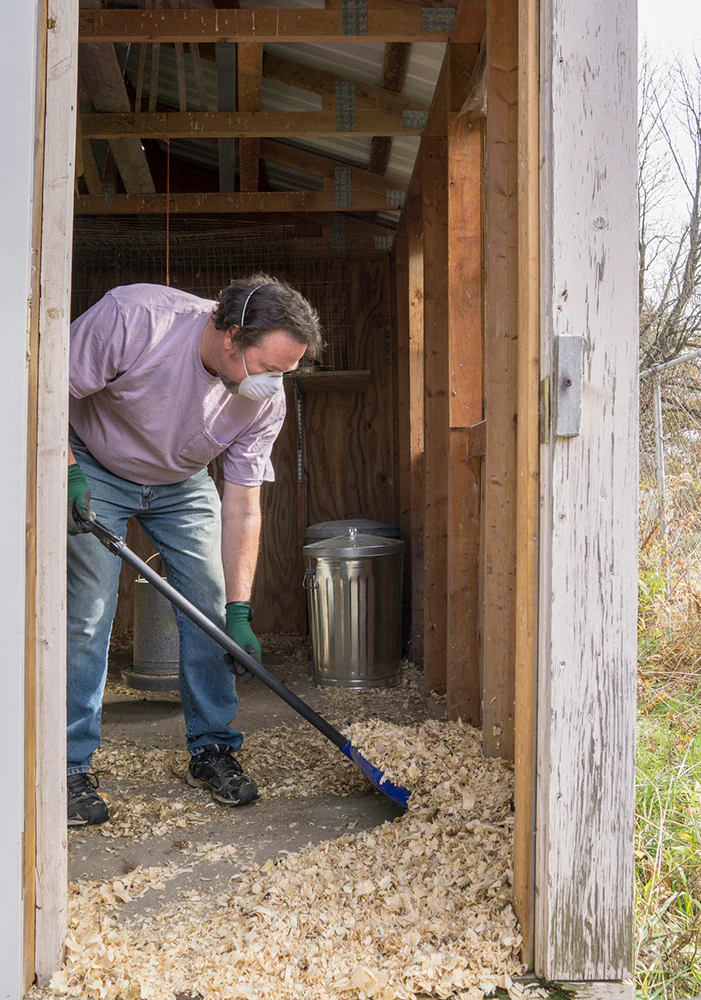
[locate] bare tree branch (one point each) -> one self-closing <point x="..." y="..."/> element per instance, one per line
<point x="669" y="129"/>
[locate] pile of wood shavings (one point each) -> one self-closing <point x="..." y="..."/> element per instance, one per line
<point x="421" y="905"/>
<point x="139" y="817"/>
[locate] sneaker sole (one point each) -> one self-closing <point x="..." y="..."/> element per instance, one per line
<point x="80" y="821"/>
<point x="249" y="794"/>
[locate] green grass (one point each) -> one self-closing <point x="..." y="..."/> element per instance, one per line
<point x="668" y="846"/>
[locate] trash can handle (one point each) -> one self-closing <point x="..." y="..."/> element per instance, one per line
<point x="310" y="581"/>
<point x="140" y="578"/>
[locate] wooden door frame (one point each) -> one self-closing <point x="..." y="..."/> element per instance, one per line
<point x="46" y="664"/>
<point x="587" y="641"/>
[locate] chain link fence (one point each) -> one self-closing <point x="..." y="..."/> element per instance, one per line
<point x="670" y="521"/>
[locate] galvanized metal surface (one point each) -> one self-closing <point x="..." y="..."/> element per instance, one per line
<point x="354" y="590"/>
<point x="156" y="642"/>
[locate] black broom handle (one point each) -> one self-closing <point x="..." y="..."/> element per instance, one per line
<point x="118" y="547"/>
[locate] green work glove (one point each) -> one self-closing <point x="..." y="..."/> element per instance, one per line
<point x="238" y="625"/>
<point x="78" y="496"/>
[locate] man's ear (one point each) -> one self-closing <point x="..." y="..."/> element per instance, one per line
<point x="230" y="336"/>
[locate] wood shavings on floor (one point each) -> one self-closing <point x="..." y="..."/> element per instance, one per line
<point x="420" y="905"/>
<point x="138" y="818"/>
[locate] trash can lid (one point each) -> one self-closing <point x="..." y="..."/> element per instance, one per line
<point x="332" y="529"/>
<point x="354" y="547"/>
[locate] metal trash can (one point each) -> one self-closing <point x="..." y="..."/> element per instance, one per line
<point x="156" y="665"/>
<point x="354" y="590"/>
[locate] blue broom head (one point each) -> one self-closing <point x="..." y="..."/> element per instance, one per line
<point x="377" y="777"/>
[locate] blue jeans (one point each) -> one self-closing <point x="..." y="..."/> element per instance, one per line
<point x="183" y="520"/>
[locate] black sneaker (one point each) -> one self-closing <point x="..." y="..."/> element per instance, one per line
<point x="85" y="807"/>
<point x="216" y="768"/>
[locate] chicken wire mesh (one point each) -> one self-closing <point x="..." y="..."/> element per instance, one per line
<point x="204" y="257"/>
<point x="670" y="518"/>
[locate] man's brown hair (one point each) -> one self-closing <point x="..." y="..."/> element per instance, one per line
<point x="275" y="306"/>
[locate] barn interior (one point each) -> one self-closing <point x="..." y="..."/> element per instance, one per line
<point x="345" y="150"/>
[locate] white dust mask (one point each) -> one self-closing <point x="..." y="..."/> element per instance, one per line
<point x="262" y="386"/>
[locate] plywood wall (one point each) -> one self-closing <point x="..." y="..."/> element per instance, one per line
<point x="349" y="437"/>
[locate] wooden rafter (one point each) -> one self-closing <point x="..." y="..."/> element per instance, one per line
<point x="321" y="81"/>
<point x="199" y="76"/>
<point x="261" y="124"/>
<point x="394" y="69"/>
<point x="180" y="70"/>
<point x="384" y="24"/>
<point x="230" y="202"/>
<point x="103" y="80"/>
<point x="250" y="67"/>
<point x="323" y="166"/>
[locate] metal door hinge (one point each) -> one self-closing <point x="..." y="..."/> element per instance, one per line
<point x="567" y="386"/>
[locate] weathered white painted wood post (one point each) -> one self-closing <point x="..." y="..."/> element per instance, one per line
<point x="588" y="544"/>
<point x="51" y="472"/>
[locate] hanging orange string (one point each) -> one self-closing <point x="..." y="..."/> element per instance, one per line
<point x="167" y="209"/>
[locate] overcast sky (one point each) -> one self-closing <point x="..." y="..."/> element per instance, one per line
<point x="672" y="25"/>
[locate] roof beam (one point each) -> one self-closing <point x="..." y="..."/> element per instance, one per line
<point x="323" y="166"/>
<point x="385" y="23"/>
<point x="252" y="124"/>
<point x="225" y="60"/>
<point x="319" y="81"/>
<point x="394" y="68"/>
<point x="85" y="165"/>
<point x="232" y="203"/>
<point x="103" y="79"/>
<point x="250" y="67"/>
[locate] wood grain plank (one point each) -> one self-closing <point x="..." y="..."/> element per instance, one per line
<point x="214" y="202"/>
<point x="278" y="597"/>
<point x="349" y="436"/>
<point x="437" y="409"/>
<point x="52" y="430"/>
<point x="384" y="25"/>
<point x="153" y="83"/>
<point x="528" y="469"/>
<point x="403" y="415"/>
<point x="320" y="81"/>
<point x="415" y="403"/>
<point x="324" y="166"/>
<point x="466" y="167"/>
<point x="102" y="75"/>
<point x="180" y="70"/>
<point x="222" y="124"/>
<point x="30" y="663"/>
<point x="90" y="172"/>
<point x="500" y="381"/>
<point x="394" y="69"/>
<point x="463" y="682"/>
<point x="198" y="74"/>
<point x="588" y="545"/>
<point x="250" y="68"/>
<point x="465" y="335"/>
<point x="225" y="62"/>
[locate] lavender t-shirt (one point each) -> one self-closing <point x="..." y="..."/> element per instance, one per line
<point x="144" y="404"/>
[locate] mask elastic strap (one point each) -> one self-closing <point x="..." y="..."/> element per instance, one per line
<point x="243" y="314"/>
<point x="243" y="311"/>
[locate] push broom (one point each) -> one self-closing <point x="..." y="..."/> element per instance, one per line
<point x="118" y="547"/>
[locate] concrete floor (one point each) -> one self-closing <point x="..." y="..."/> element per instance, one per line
<point x="259" y="831"/>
